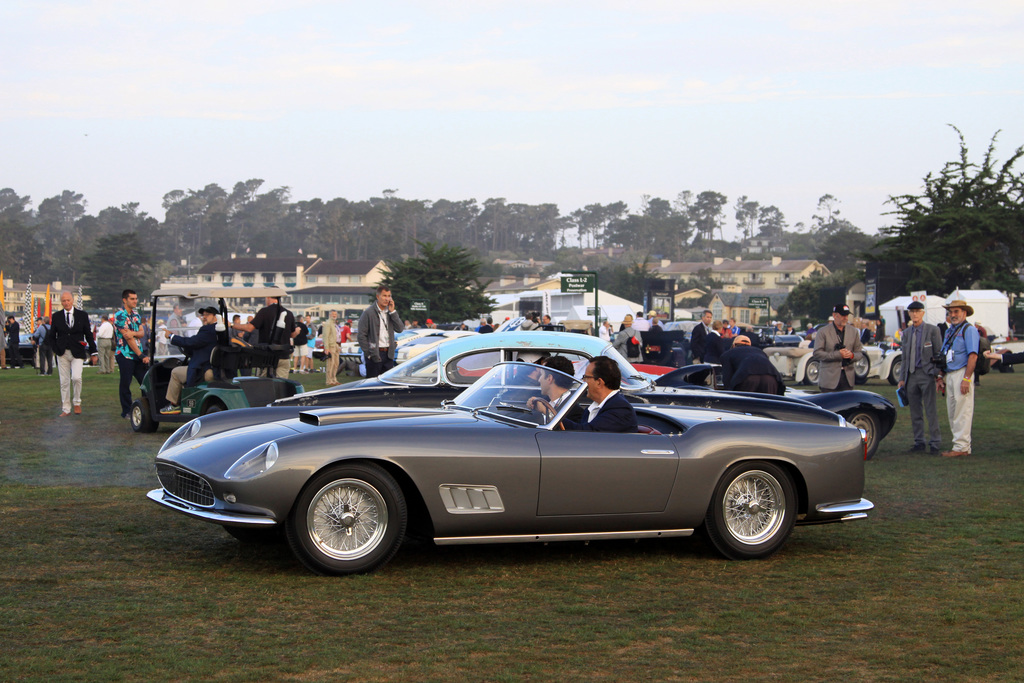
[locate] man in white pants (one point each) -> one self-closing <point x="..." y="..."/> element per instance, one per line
<point x="960" y="348"/>
<point x="71" y="339"/>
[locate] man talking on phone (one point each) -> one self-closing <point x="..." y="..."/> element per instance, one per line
<point x="378" y="326"/>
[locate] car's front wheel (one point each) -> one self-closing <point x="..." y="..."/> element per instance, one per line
<point x="752" y="511"/>
<point x="349" y="519"/>
<point x="138" y="415"/>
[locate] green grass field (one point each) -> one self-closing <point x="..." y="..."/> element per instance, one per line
<point x="98" y="584"/>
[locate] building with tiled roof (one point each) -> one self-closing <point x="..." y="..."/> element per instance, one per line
<point x="776" y="273"/>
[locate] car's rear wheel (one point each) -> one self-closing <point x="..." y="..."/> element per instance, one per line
<point x="869" y="423"/>
<point x="811" y="372"/>
<point x="894" y="371"/>
<point x="138" y="415"/>
<point x="214" y="407"/>
<point x="752" y="511"/>
<point x="349" y="519"/>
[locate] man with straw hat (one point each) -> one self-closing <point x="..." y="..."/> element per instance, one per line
<point x="960" y="352"/>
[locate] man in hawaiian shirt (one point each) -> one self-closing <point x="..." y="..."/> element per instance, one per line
<point x="131" y="362"/>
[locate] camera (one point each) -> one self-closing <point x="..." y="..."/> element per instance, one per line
<point x="939" y="359"/>
<point x="846" y="361"/>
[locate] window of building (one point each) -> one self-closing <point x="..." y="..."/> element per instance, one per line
<point x="269" y="278"/>
<point x="248" y="278"/>
<point x="355" y="278"/>
<point x="744" y="315"/>
<point x="312" y="279"/>
<point x="333" y="278"/>
<point x="716" y="310"/>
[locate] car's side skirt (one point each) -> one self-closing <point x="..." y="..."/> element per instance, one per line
<point x="545" y="538"/>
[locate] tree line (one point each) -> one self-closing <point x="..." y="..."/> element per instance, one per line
<point x="966" y="228"/>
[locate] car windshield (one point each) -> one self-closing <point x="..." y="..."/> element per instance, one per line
<point x="422" y="369"/>
<point x="506" y="391"/>
<point x="631" y="379"/>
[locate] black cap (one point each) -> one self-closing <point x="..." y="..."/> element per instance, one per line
<point x="915" y="306"/>
<point x="208" y="309"/>
<point x="841" y="309"/>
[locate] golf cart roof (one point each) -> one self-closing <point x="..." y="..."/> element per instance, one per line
<point x="193" y="292"/>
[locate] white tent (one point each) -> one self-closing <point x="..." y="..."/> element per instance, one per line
<point x="893" y="312"/>
<point x="991" y="308"/>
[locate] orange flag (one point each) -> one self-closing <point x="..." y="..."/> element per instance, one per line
<point x="47" y="313"/>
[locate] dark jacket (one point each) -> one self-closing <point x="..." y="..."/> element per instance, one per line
<point x="201" y="345"/>
<point x="78" y="338"/>
<point x="714" y="347"/>
<point x="698" y="341"/>
<point x="741" y="362"/>
<point x="617" y="415"/>
<point x="369" y="332"/>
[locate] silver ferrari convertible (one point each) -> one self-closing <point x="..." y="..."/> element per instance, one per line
<point x="346" y="485"/>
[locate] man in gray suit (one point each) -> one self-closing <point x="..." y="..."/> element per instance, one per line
<point x="921" y="342"/>
<point x="836" y="348"/>
<point x="378" y="326"/>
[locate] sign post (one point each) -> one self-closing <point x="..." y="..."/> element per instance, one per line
<point x="761" y="302"/>
<point x="581" y="282"/>
<point x="421" y="306"/>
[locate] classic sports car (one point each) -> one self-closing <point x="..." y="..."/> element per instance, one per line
<point x="441" y="373"/>
<point x="347" y="484"/>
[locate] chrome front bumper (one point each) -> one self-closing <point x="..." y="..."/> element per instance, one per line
<point x="160" y="497"/>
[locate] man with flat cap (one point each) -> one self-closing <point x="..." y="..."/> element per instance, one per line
<point x="836" y="348"/>
<point x="201" y="345"/>
<point x="960" y="349"/>
<point x="747" y="368"/>
<point x="918" y="374"/>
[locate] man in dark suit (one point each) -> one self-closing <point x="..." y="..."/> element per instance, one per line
<point x="201" y="345"/>
<point x="13" y="331"/>
<point x="610" y="411"/>
<point x="699" y="337"/>
<point x="747" y="368"/>
<point x="70" y="337"/>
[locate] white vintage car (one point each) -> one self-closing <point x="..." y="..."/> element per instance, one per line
<point x="796" y="364"/>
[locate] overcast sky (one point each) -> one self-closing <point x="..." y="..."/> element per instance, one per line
<point x="564" y="102"/>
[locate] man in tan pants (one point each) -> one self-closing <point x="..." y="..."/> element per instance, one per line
<point x="332" y="347"/>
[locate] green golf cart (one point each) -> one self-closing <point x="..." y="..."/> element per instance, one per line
<point x="243" y="373"/>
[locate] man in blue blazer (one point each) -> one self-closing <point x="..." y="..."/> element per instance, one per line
<point x="201" y="345"/>
<point x="610" y="411"/>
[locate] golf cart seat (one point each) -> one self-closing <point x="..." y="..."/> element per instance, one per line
<point x="231" y="358"/>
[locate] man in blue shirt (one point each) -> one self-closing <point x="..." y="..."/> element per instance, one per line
<point x="960" y="349"/>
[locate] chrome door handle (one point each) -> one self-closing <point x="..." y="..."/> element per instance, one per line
<point x="657" y="452"/>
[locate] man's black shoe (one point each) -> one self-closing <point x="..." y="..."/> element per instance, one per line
<point x="935" y="449"/>
<point x="918" y="447"/>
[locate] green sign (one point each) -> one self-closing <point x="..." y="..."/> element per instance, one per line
<point x="579" y="283"/>
<point x="759" y="302"/>
<point x="419" y="305"/>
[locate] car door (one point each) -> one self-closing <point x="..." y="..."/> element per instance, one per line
<point x="600" y="473"/>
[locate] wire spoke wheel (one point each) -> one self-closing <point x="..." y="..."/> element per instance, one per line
<point x="347" y="519"/>
<point x="752" y="511"/>
<point x="753" y="507"/>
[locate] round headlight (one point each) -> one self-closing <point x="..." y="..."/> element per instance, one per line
<point x="271" y="455"/>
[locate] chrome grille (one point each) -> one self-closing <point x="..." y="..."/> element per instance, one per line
<point x="182" y="484"/>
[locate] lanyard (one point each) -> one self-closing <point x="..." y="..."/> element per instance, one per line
<point x="951" y="336"/>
